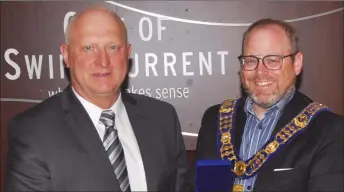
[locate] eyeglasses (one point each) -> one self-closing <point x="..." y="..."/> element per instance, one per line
<point x="271" y="62"/>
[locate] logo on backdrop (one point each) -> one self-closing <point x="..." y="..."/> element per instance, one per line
<point x="164" y="65"/>
<point x="148" y="29"/>
<point x="147" y="64"/>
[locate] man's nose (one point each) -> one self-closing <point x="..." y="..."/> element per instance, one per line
<point x="103" y="58"/>
<point x="261" y="67"/>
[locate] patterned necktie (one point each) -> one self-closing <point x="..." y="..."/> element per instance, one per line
<point x="114" y="149"/>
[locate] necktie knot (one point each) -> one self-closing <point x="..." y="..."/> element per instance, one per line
<point x="107" y="118"/>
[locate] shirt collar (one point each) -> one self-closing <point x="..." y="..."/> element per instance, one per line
<point x="277" y="106"/>
<point x="95" y="112"/>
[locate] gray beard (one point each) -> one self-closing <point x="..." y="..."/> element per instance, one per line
<point x="275" y="98"/>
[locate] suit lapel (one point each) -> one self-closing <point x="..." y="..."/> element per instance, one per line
<point x="240" y="120"/>
<point x="81" y="125"/>
<point x="295" y="105"/>
<point x="138" y="122"/>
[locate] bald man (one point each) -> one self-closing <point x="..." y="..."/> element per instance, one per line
<point x="92" y="136"/>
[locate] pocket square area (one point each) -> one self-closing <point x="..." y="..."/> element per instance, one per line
<point x="283" y="169"/>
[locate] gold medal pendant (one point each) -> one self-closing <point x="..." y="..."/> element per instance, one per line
<point x="271" y="148"/>
<point x="238" y="188"/>
<point x="239" y="168"/>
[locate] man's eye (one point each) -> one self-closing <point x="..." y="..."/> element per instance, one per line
<point x="273" y="60"/>
<point x="113" y="47"/>
<point x="250" y="61"/>
<point x="88" y="48"/>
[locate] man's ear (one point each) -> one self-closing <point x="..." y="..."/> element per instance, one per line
<point x="64" y="52"/>
<point x="129" y="50"/>
<point x="298" y="61"/>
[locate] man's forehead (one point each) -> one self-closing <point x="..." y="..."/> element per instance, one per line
<point x="268" y="33"/>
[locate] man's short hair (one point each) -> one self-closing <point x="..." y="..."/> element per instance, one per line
<point x="288" y="28"/>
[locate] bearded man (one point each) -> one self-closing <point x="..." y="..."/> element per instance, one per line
<point x="277" y="138"/>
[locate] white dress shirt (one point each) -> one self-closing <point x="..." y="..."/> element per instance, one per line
<point x="133" y="159"/>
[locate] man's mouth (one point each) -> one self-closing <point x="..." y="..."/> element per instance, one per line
<point x="264" y="83"/>
<point x="101" y="74"/>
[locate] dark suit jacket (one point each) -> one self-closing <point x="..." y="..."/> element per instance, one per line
<point x="316" y="155"/>
<point x="54" y="146"/>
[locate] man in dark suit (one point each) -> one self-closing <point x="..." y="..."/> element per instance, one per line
<point x="92" y="136"/>
<point x="271" y="149"/>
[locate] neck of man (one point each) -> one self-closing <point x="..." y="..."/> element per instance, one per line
<point x="259" y="111"/>
<point x="103" y="101"/>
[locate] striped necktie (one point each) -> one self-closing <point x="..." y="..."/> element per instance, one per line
<point x="114" y="149"/>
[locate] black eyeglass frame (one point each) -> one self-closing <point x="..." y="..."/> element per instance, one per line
<point x="258" y="59"/>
